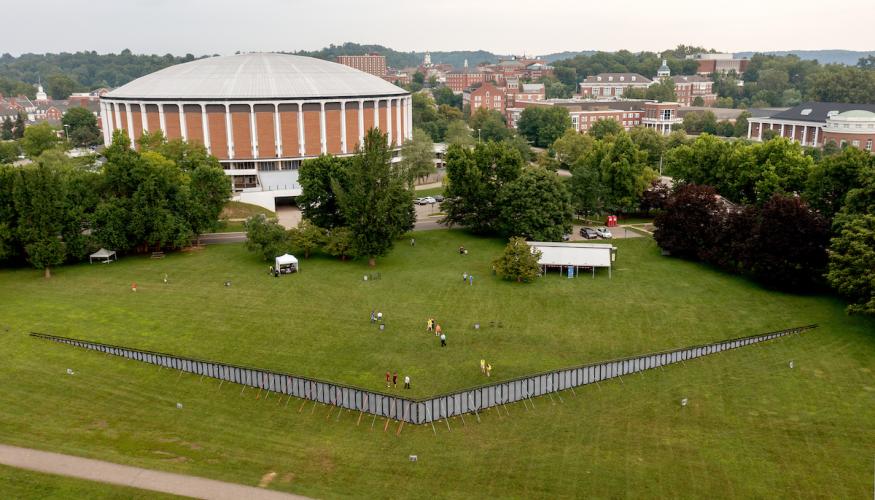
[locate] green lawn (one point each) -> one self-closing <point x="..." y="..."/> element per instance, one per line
<point x="231" y="226"/>
<point x="753" y="428"/>
<point x="20" y="483"/>
<point x="422" y="193"/>
<point x="240" y="210"/>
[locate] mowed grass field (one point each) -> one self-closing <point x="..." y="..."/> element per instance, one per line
<point x="17" y="483"/>
<point x="753" y="428"/>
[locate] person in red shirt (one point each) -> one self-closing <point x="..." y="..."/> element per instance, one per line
<point x="395" y="380"/>
<point x="388" y="375"/>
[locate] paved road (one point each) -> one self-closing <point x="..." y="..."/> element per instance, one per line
<point x="124" y="475"/>
<point x="213" y="238"/>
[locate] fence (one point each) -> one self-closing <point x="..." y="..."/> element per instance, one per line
<point x="423" y="411"/>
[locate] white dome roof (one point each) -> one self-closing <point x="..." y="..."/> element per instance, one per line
<point x="255" y="76"/>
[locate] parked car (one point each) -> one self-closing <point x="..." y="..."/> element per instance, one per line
<point x="427" y="200"/>
<point x="566" y="237"/>
<point x="417" y="201"/>
<point x="604" y="232"/>
<point x="439" y="198"/>
<point x="588" y="233"/>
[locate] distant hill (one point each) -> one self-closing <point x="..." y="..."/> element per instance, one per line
<point x="568" y="54"/>
<point x="848" y="57"/>
<point x="398" y="59"/>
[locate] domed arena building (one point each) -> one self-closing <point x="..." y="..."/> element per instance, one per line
<point x="261" y="114"/>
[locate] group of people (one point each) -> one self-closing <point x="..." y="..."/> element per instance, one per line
<point x="392" y="380"/>
<point x="468" y="278"/>
<point x="433" y="326"/>
<point x="376" y="316"/>
<point x="463" y="250"/>
<point x="485" y="368"/>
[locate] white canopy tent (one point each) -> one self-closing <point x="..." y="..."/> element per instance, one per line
<point x="575" y="255"/>
<point x="286" y="263"/>
<point x="102" y="255"/>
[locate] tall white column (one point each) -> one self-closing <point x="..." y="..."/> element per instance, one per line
<point x="229" y="131"/>
<point x="805" y="135"/>
<point x="389" y="121"/>
<point x="816" y="130"/>
<point x="301" y="148"/>
<point x="749" y="127"/>
<point x="277" y="130"/>
<point x="183" y="124"/>
<point x="118" y="116"/>
<point x="793" y="132"/>
<point x="410" y="117"/>
<point x="205" y="125"/>
<point x="343" y="127"/>
<point x="323" y="139"/>
<point x="782" y="130"/>
<point x="106" y="125"/>
<point x="377" y="113"/>
<point x="760" y="132"/>
<point x="400" y="132"/>
<point x="253" y="131"/>
<point x="130" y="124"/>
<point x="161" y="121"/>
<point x="143" y="117"/>
<point x="361" y="115"/>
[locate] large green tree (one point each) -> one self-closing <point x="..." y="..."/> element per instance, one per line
<point x="267" y="238"/>
<point x="318" y="201"/>
<point x="38" y="138"/>
<point x="8" y="152"/>
<point x="418" y="156"/>
<point x="376" y="202"/>
<point x="518" y="262"/>
<point x="542" y="125"/>
<point x="852" y="262"/>
<point x="535" y="205"/>
<point x="488" y="125"/>
<point x="81" y="127"/>
<point x="476" y="177"/>
<point x="39" y="196"/>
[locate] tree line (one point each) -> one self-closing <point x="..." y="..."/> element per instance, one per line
<point x="57" y="210"/>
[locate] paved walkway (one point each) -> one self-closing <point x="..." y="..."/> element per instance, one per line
<point x="124" y="475"/>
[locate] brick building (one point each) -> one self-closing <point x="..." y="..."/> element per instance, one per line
<point x="458" y="81"/>
<point x="719" y="63"/>
<point x="629" y="113"/>
<point x="486" y="96"/>
<point x="688" y="87"/>
<point x="818" y="123"/>
<point x="374" y="64"/>
<point x="608" y="86"/>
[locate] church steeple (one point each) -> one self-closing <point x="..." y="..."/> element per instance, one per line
<point x="40" y="93"/>
<point x="664" y="70"/>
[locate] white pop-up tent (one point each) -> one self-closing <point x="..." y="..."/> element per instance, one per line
<point x="574" y="255"/>
<point x="102" y="255"/>
<point x="286" y="263"/>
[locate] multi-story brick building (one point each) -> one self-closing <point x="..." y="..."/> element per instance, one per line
<point x="688" y="87"/>
<point x="719" y="63"/>
<point x="629" y="113"/>
<point x="374" y="64"/>
<point x="612" y="85"/>
<point x="818" y="123"/>
<point x="486" y="96"/>
<point x="458" y="81"/>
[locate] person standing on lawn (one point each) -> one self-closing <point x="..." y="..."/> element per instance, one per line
<point x="395" y="380"/>
<point x="443" y="340"/>
<point x="407" y="381"/>
<point x="387" y="379"/>
<point x="437" y="330"/>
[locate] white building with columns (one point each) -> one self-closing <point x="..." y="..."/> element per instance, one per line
<point x="261" y="114"/>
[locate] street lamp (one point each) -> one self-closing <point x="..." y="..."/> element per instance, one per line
<point x="67" y="131"/>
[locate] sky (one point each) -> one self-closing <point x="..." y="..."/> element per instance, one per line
<point x="503" y="27"/>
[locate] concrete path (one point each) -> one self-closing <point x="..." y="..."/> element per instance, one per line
<point x="124" y="475"/>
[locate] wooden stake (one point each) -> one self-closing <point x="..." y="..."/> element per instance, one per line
<point x="387" y="424"/>
<point x="287" y="401"/>
<point x="360" y="418"/>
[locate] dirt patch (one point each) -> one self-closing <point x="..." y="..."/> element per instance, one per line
<point x="266" y="479"/>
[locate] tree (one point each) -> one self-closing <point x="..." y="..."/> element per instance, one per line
<point x="19" y="127"/>
<point x="318" y="199"/>
<point x="81" y="127"/>
<point x="209" y="190"/>
<point x="838" y="83"/>
<point x="624" y="174"/>
<point x="6" y="129"/>
<point x="587" y="190"/>
<point x="266" y="237"/>
<point x="852" y="262"/>
<point x="339" y="243"/>
<point x="418" y="156"/>
<point x="535" y="205"/>
<point x="60" y="86"/>
<point x="683" y="227"/>
<point x="662" y="91"/>
<point x="8" y="152"/>
<point x="376" y="203"/>
<point x="830" y="180"/>
<point x="476" y="177"/>
<point x="489" y="125"/>
<point x="445" y="95"/>
<point x="39" y="195"/>
<point x="698" y="101"/>
<point x="519" y="262"/>
<point x="604" y="127"/>
<point x="542" y="125"/>
<point x="698" y="122"/>
<point x="649" y="141"/>
<point x="784" y="167"/>
<point x="788" y="245"/>
<point x="307" y="237"/>
<point x="459" y="133"/>
<point x="571" y="147"/>
<point x="741" y="124"/>
<point x="38" y="138"/>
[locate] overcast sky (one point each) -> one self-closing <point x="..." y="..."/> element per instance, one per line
<point x="507" y="26"/>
